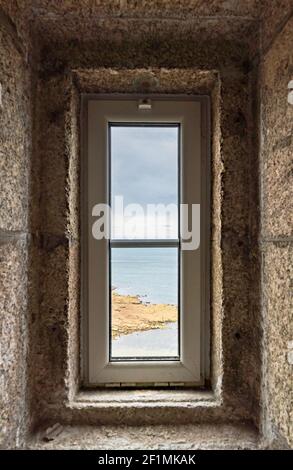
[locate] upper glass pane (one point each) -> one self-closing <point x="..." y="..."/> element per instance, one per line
<point x="144" y="181"/>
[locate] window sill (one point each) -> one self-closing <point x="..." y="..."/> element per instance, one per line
<point x="143" y="407"/>
<point x="136" y="397"/>
<point x="185" y="437"/>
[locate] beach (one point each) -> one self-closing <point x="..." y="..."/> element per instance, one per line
<point x="130" y="315"/>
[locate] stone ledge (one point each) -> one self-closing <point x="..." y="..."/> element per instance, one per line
<point x="144" y="408"/>
<point x="136" y="397"/>
<point x="151" y="437"/>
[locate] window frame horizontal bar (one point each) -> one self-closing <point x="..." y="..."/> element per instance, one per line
<point x="144" y="124"/>
<point x="144" y="243"/>
<point x="145" y="358"/>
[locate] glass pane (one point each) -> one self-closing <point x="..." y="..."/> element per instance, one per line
<point x="144" y="303"/>
<point x="144" y="181"/>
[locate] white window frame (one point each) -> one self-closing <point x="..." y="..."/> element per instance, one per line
<point x="193" y="366"/>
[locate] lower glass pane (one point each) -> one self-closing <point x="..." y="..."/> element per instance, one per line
<point x="144" y="303"/>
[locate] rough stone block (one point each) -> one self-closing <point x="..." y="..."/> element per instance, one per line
<point x="277" y="138"/>
<point x="15" y="137"/>
<point x="13" y="332"/>
<point x="278" y="332"/>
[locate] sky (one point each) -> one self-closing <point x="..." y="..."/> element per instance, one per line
<point x="144" y="170"/>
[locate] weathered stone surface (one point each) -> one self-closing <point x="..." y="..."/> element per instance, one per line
<point x="216" y="269"/>
<point x="147" y="8"/>
<point x="58" y="305"/>
<point x="15" y="136"/>
<point x="277" y="137"/>
<point x="15" y="154"/>
<point x="59" y="165"/>
<point x="277" y="182"/>
<point x="161" y="80"/>
<point x="158" y="437"/>
<point x="274" y="15"/>
<point x="14" y="17"/>
<point x="278" y="331"/>
<point x="59" y="58"/>
<point x="213" y="19"/>
<point x="13" y="332"/>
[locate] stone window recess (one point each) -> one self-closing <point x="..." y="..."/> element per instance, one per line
<point x="52" y="57"/>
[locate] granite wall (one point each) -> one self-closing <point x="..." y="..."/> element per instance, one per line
<point x="15" y="163"/>
<point x="251" y="265"/>
<point x="276" y="70"/>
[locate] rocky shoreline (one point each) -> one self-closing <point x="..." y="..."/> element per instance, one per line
<point x="130" y="315"/>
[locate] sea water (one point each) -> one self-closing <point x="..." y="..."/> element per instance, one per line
<point x="149" y="273"/>
<point x="152" y="275"/>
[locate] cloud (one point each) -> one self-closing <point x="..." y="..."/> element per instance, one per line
<point x="144" y="164"/>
